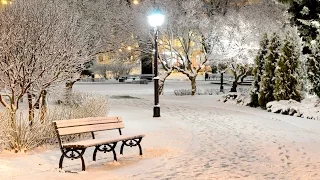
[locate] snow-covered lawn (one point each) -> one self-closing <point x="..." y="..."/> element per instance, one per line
<point x="195" y="138"/>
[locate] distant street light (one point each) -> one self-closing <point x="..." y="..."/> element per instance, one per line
<point x="5" y="2"/>
<point x="156" y="19"/>
<point x="135" y="2"/>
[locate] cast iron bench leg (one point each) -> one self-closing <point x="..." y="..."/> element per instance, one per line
<point x="131" y="143"/>
<point x="105" y="148"/>
<point x="61" y="161"/>
<point x="74" y="154"/>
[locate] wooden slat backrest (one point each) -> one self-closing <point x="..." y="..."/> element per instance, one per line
<point x="75" y="126"/>
<point x="87" y="121"/>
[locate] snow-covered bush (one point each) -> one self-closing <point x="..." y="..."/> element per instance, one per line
<point x="84" y="105"/>
<point x="287" y="107"/>
<point x="23" y="137"/>
<point x="186" y="92"/>
<point x="307" y="108"/>
<point x="236" y="98"/>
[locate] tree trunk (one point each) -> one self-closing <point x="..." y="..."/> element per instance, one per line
<point x="13" y="116"/>
<point x="71" y="83"/>
<point x="161" y="82"/>
<point x="234" y="86"/>
<point x="193" y="85"/>
<point x="31" y="108"/>
<point x="44" y="108"/>
<point x="13" y="132"/>
<point x="68" y="92"/>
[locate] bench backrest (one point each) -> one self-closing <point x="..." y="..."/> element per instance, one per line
<point x="91" y="124"/>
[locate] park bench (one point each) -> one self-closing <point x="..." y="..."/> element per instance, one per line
<point x="75" y="150"/>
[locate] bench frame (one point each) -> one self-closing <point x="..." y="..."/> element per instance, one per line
<point x="78" y="152"/>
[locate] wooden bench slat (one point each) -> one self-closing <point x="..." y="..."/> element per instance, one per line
<point x="87" y="121"/>
<point x="90" y="128"/>
<point x="101" y="141"/>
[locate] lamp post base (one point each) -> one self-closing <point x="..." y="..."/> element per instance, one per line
<point x="221" y="88"/>
<point x="156" y="111"/>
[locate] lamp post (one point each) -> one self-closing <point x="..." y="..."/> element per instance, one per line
<point x="156" y="19"/>
<point x="221" y="82"/>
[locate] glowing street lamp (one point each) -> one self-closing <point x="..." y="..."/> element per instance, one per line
<point x="4" y="2"/>
<point x="156" y="19"/>
<point x="135" y="2"/>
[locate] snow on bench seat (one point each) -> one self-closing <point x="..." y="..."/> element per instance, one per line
<point x="100" y="141"/>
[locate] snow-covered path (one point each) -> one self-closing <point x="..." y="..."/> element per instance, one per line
<point x="195" y="138"/>
<point x="228" y="143"/>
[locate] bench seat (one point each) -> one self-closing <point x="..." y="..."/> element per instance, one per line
<point x="100" y="141"/>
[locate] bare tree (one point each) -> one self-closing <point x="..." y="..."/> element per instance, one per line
<point x="44" y="45"/>
<point x="187" y="38"/>
<point x="240" y="31"/>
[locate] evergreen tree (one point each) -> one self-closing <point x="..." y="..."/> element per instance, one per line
<point x="302" y="11"/>
<point x="306" y="16"/>
<point x="314" y="66"/>
<point x="267" y="83"/>
<point x="313" y="58"/>
<point x="287" y="73"/>
<point x="258" y="70"/>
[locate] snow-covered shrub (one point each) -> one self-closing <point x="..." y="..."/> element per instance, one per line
<point x="23" y="137"/>
<point x="186" y="92"/>
<point x="287" y="107"/>
<point x="84" y="105"/>
<point x="244" y="89"/>
<point x="236" y="98"/>
<point x="182" y="92"/>
<point x="307" y="108"/>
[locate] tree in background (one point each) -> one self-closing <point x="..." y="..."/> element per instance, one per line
<point x="268" y="79"/>
<point x="313" y="59"/>
<point x="188" y="36"/>
<point x="287" y="72"/>
<point x="259" y="63"/>
<point x="306" y="16"/>
<point x="314" y="66"/>
<point x="303" y="11"/>
<point x="239" y="72"/>
<point x="167" y="66"/>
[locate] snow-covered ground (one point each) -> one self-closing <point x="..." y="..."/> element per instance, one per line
<point x="195" y="138"/>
